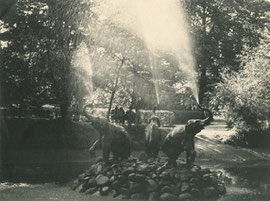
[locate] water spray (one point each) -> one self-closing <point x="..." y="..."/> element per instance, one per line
<point x="161" y="25"/>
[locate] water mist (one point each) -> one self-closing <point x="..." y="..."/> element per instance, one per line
<point x="161" y="25"/>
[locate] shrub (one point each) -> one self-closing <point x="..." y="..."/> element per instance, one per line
<point x="246" y="97"/>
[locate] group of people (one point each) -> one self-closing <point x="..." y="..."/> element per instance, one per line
<point x="118" y="115"/>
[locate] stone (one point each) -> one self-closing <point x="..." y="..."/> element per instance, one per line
<point x="221" y="188"/>
<point x="128" y="171"/>
<point x="164" y="174"/>
<point x="113" y="178"/>
<point x="195" y="192"/>
<point x="92" y="182"/>
<point x="174" y="190"/>
<point x="102" y="180"/>
<point x="171" y="172"/>
<point x="154" y="176"/>
<point x="177" y="176"/>
<point x="105" y="190"/>
<point x="143" y="156"/>
<point x="185" y="187"/>
<point x="139" y="178"/>
<point x="194" y="180"/>
<point x="165" y="189"/>
<point x="124" y="197"/>
<point x="185" y="197"/>
<point x="131" y="176"/>
<point x="80" y="188"/>
<point x="97" y="193"/>
<point x="195" y="169"/>
<point x="184" y="177"/>
<point x="165" y="181"/>
<point x="116" y="171"/>
<point x="143" y="168"/>
<point x="116" y="184"/>
<point x="114" y="193"/>
<point x="209" y="192"/>
<point x="99" y="168"/>
<point x="75" y="184"/>
<point x="139" y="196"/>
<point x="86" y="178"/>
<point x="168" y="197"/>
<point x="121" y="178"/>
<point x="179" y="185"/>
<point x="135" y="187"/>
<point x="124" y="191"/>
<point x="109" y="173"/>
<point x="91" y="190"/>
<point x="161" y="169"/>
<point x="153" y="196"/>
<point x="99" y="159"/>
<point x="170" y="189"/>
<point x="151" y="185"/>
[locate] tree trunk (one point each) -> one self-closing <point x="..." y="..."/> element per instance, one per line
<point x="64" y="110"/>
<point x="110" y="104"/>
<point x="115" y="88"/>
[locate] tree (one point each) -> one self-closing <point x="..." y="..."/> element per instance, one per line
<point x="41" y="37"/>
<point x="246" y="93"/>
<point x="221" y="29"/>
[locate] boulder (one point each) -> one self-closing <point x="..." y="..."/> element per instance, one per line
<point x="92" y="182"/>
<point x="209" y="192"/>
<point x="91" y="190"/>
<point x="151" y="185"/>
<point x="185" y="187"/>
<point x="153" y="196"/>
<point x="105" y="190"/>
<point x="139" y="196"/>
<point x="139" y="178"/>
<point x="80" y="188"/>
<point x="221" y="188"/>
<point x="124" y="191"/>
<point x="185" y="197"/>
<point x="195" y="192"/>
<point x="116" y="184"/>
<point x="135" y="187"/>
<point x="168" y="197"/>
<point x="102" y="180"/>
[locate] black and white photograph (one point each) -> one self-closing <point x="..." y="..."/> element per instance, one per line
<point x="147" y="100"/>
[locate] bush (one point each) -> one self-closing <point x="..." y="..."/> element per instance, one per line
<point x="246" y="97"/>
<point x="250" y="138"/>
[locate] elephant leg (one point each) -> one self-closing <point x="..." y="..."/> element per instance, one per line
<point x="191" y="155"/>
<point x="155" y="151"/>
<point x="172" y="159"/>
<point x="106" y="154"/>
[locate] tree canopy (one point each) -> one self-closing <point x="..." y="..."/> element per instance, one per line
<point x="40" y="38"/>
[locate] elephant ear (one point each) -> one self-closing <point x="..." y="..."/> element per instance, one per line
<point x="189" y="126"/>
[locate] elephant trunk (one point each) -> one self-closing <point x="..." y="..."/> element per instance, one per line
<point x="209" y="115"/>
<point x="85" y="113"/>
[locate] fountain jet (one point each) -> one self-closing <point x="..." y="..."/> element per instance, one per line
<point x="161" y="25"/>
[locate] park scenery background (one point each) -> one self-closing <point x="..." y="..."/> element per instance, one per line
<point x="123" y="58"/>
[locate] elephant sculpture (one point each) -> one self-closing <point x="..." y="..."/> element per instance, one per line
<point x="153" y="137"/>
<point x="113" y="138"/>
<point x="181" y="139"/>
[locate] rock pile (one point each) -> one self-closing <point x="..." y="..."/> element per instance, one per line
<point x="150" y="180"/>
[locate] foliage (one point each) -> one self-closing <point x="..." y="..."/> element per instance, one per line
<point x="221" y="29"/>
<point x="245" y="94"/>
<point x="40" y="38"/>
